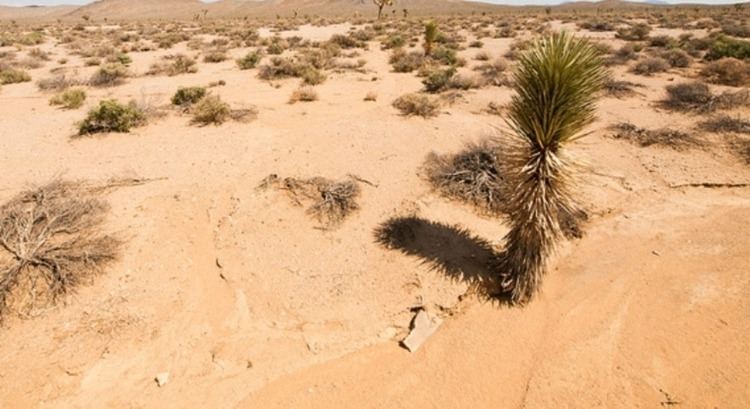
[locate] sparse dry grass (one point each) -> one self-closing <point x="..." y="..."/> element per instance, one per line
<point x="664" y="137"/>
<point x="330" y="202"/>
<point x="417" y="104"/>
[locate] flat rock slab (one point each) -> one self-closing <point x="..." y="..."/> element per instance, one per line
<point x="422" y="327"/>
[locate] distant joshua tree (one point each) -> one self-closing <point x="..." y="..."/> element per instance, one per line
<point x="406" y="13"/>
<point x="430" y="36"/>
<point x="381" y="4"/>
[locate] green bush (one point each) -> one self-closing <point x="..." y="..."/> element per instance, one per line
<point x="438" y="79"/>
<point x="70" y="99"/>
<point x="111" y="116"/>
<point x="186" y="96"/>
<point x="723" y="46"/>
<point x="211" y="110"/>
<point x="250" y="60"/>
<point x="109" y="75"/>
<point x="9" y="75"/>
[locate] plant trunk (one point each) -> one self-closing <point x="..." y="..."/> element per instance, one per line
<point x="380" y="11"/>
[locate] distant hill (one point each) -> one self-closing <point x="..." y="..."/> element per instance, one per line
<point x="186" y="9"/>
<point x="34" y="12"/>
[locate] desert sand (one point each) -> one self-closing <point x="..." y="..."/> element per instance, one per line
<point x="246" y="302"/>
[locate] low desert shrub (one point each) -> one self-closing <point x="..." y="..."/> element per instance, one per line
<point x="250" y="60"/>
<point x="52" y="244"/>
<point x="111" y="116"/>
<point x="69" y="99"/>
<point x="406" y="62"/>
<point x="187" y="96"/>
<point x="330" y="202"/>
<point x="723" y="46"/>
<point x="697" y="96"/>
<point x="650" y="65"/>
<point x="417" y="104"/>
<point x="174" y="65"/>
<point x="495" y="72"/>
<point x="472" y="175"/>
<point x="676" y="58"/>
<point x="10" y="75"/>
<point x="727" y="71"/>
<point x="665" y="137"/>
<point x="57" y="83"/>
<point x="109" y="75"/>
<point x="303" y="94"/>
<point x="210" y="110"/>
<point x="438" y="79"/>
<point x="635" y="32"/>
<point x="725" y="124"/>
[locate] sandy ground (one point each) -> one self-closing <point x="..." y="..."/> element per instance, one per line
<point x="245" y="303"/>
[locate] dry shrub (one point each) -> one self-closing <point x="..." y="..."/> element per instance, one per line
<point x="727" y="71"/>
<point x="109" y="75"/>
<point x="50" y="244"/>
<point x="666" y="137"/>
<point x="472" y="175"/>
<point x="174" y="65"/>
<point x="619" y="89"/>
<point x="69" y="99"/>
<point x="210" y="110"/>
<point x="303" y="94"/>
<point x="187" y="96"/>
<point x="112" y="116"/>
<point x="371" y="96"/>
<point x="417" y="104"/>
<point x="495" y="72"/>
<point x="58" y="83"/>
<point x="10" y="75"/>
<point x="651" y="65"/>
<point x="406" y="62"/>
<point x="330" y="201"/>
<point x="697" y="96"/>
<point x="725" y="123"/>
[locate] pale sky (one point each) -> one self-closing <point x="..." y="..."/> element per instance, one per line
<point x="516" y="2"/>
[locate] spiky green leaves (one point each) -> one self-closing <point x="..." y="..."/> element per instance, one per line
<point x="556" y="85"/>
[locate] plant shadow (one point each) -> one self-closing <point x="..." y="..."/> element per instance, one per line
<point x="450" y="250"/>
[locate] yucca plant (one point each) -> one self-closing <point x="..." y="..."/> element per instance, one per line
<point x="556" y="84"/>
<point x="430" y="36"/>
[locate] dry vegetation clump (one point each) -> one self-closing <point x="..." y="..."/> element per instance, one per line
<point x="650" y="65"/>
<point x="303" y="94"/>
<point x="371" y="96"/>
<point x="215" y="56"/>
<point x="69" y="99"/>
<point x="417" y="104"/>
<point x="403" y="61"/>
<point x="676" y="58"/>
<point x="280" y="67"/>
<point x="58" y="83"/>
<point x="187" y="96"/>
<point x="619" y="88"/>
<point x="330" y="201"/>
<point x="727" y="71"/>
<point x="210" y="110"/>
<point x="494" y="72"/>
<point x="50" y="244"/>
<point x="109" y="75"/>
<point x="624" y="54"/>
<point x="250" y="60"/>
<point x="174" y="65"/>
<point x="438" y="79"/>
<point x="472" y="175"/>
<point x="112" y="116"/>
<point x="10" y="75"/>
<point x="697" y="96"/>
<point x="635" y="32"/>
<point x="664" y="137"/>
<point x="725" y="123"/>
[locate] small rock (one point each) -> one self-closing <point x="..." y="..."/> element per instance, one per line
<point x="162" y="379"/>
<point x="422" y="328"/>
<point x="656" y="253"/>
